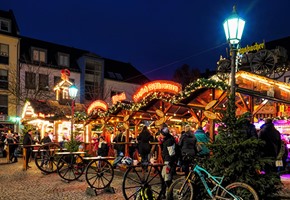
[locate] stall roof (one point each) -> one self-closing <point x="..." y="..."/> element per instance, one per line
<point x="49" y="109"/>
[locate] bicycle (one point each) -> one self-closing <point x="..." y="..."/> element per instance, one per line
<point x="183" y="188"/>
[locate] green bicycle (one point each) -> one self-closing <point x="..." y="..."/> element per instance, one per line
<point x="183" y="188"/>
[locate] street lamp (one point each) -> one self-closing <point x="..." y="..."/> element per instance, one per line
<point x="234" y="27"/>
<point x="72" y="91"/>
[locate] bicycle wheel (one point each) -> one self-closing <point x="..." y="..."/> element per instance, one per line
<point x="46" y="158"/>
<point x="240" y="191"/>
<point x="99" y="174"/>
<point x="135" y="179"/>
<point x="180" y="189"/>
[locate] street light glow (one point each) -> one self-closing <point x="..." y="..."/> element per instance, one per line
<point x="234" y="27"/>
<point x="72" y="91"/>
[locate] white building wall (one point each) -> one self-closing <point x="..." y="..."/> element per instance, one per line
<point x="51" y="74"/>
<point x="112" y="85"/>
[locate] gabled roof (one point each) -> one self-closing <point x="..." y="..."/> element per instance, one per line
<point x="120" y="71"/>
<point x="52" y="53"/>
<point x="14" y="27"/>
<point x="49" y="108"/>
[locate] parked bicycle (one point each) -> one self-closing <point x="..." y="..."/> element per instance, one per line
<point x="184" y="187"/>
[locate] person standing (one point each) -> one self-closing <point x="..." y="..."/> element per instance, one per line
<point x="103" y="148"/>
<point x="168" y="154"/>
<point x="144" y="146"/>
<point x="121" y="137"/>
<point x="11" y="145"/>
<point x="187" y="144"/>
<point x="27" y="140"/>
<point x="202" y="139"/>
<point x="272" y="138"/>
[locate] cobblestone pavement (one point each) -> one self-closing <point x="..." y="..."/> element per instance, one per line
<point x="32" y="184"/>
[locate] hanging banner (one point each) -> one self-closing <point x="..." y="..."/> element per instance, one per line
<point x="156" y="86"/>
<point x="98" y="104"/>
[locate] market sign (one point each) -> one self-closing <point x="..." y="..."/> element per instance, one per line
<point x="98" y="104"/>
<point x="118" y="97"/>
<point x="255" y="47"/>
<point x="156" y="86"/>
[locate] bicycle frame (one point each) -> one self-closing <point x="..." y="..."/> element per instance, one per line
<point x="216" y="180"/>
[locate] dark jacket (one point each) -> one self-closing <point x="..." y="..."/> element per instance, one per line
<point x="27" y="140"/>
<point x="250" y="130"/>
<point x="187" y="143"/>
<point x="11" y="145"/>
<point x="168" y="141"/>
<point x="103" y="150"/>
<point x="271" y="136"/>
<point x="143" y="142"/>
<point x="45" y="140"/>
<point x="119" y="138"/>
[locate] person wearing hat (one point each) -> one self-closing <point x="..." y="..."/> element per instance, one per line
<point x="168" y="154"/>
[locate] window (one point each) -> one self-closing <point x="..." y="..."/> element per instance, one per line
<point x="43" y="82"/>
<point x="111" y="75"/>
<point x="3" y="79"/>
<point x="3" y="104"/>
<point x="56" y="80"/>
<point x="93" y="66"/>
<point x="113" y="93"/>
<point x="119" y="76"/>
<point x="63" y="59"/>
<point x="30" y="79"/>
<point x="5" y="25"/>
<point x="4" y="54"/>
<point x="39" y="55"/>
<point x="72" y="80"/>
<point x="91" y="90"/>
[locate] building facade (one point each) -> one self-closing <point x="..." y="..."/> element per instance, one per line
<point x="9" y="52"/>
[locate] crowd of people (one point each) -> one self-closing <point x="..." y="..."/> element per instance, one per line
<point x="178" y="149"/>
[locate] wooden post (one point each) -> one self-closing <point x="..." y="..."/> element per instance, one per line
<point x="24" y="159"/>
<point x="8" y="152"/>
<point x="127" y="143"/>
<point x="159" y="158"/>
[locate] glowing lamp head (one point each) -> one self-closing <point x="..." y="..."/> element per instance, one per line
<point x="72" y="91"/>
<point x="234" y="27"/>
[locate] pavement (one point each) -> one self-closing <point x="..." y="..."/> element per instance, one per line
<point x="16" y="184"/>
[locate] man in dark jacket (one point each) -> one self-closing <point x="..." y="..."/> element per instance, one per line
<point x="168" y="154"/>
<point x="27" y="140"/>
<point x="272" y="138"/>
<point x="187" y="144"/>
<point x="46" y="139"/>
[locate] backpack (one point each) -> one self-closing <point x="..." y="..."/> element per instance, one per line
<point x="147" y="194"/>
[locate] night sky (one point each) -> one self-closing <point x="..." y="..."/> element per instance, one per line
<point x="155" y="36"/>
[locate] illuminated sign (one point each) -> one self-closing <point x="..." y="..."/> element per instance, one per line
<point x="98" y="104"/>
<point x="65" y="74"/>
<point x="156" y="86"/>
<point x="255" y="47"/>
<point x="118" y="97"/>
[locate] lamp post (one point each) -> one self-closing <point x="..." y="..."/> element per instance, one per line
<point x="72" y="91"/>
<point x="234" y="27"/>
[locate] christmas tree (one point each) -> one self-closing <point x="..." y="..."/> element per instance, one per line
<point x="239" y="158"/>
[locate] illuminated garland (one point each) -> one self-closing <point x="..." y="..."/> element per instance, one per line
<point x="200" y="83"/>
